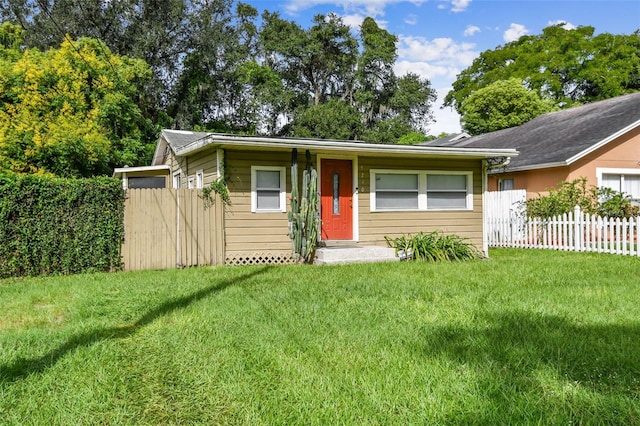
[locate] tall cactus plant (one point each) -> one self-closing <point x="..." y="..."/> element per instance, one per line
<point x="304" y="218"/>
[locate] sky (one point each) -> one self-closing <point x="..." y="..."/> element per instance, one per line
<point x="437" y="39"/>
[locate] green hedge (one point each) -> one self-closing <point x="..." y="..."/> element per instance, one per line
<point x="59" y="226"/>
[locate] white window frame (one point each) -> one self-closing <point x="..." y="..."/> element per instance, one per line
<point x="177" y="179"/>
<point x="423" y="203"/>
<point x="254" y="190"/>
<point x="191" y="182"/>
<point x="422" y="195"/>
<point x="199" y="179"/>
<point x="600" y="171"/>
<point x="501" y="184"/>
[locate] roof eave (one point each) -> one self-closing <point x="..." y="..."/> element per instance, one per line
<point x="603" y="142"/>
<point x="224" y="141"/>
<point x="117" y="172"/>
<point x="530" y="167"/>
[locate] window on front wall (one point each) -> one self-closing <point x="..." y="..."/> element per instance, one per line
<point x="447" y="192"/>
<point x="396" y="191"/>
<point x="268" y="189"/>
<point x="420" y="190"/>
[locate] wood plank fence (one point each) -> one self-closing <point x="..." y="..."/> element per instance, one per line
<point x="576" y="231"/>
<point x="169" y="228"/>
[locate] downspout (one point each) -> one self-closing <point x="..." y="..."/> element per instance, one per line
<point x="485" y="183"/>
<point x="178" y="226"/>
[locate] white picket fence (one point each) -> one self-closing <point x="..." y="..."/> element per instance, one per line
<point x="575" y="231"/>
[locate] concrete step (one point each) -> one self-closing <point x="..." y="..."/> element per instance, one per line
<point x="353" y="254"/>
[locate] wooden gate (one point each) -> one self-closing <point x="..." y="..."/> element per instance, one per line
<point x="169" y="228"/>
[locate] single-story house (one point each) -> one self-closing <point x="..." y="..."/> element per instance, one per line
<point x="367" y="191"/>
<point x="599" y="141"/>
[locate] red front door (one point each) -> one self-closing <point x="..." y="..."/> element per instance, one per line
<point x="336" y="205"/>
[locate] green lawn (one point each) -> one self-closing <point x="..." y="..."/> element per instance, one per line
<point x="527" y="337"/>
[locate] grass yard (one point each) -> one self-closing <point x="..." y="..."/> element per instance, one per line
<point x="527" y="337"/>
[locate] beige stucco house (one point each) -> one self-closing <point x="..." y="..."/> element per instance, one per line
<point x="599" y="141"/>
<point x="367" y="191"/>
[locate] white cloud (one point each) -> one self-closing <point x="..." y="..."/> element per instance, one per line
<point x="411" y="19"/>
<point x="564" y="24"/>
<point x="460" y="5"/>
<point x="447" y="119"/>
<point x="471" y="30"/>
<point x="514" y="32"/>
<point x="354" y="21"/>
<point x="440" y="50"/>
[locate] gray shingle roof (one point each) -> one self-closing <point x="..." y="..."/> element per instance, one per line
<point x="558" y="136"/>
<point x="180" y="138"/>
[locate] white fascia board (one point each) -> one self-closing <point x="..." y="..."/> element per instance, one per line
<point x="343" y="146"/>
<point x="603" y="142"/>
<point x="120" y="170"/>
<point x="531" y="167"/>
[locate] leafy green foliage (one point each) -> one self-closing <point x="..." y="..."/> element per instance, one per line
<point x="433" y="247"/>
<point x="591" y="199"/>
<point x="217" y="187"/>
<point x="70" y="111"/>
<point x="211" y="66"/>
<point x="331" y="120"/>
<point x="59" y="226"/>
<point x="501" y="105"/>
<point x="563" y="66"/>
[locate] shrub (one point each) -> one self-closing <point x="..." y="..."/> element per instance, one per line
<point x="433" y="247"/>
<point x="59" y="226"/>
<point x="590" y="199"/>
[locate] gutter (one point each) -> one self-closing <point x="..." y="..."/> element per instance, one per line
<point x="224" y="141"/>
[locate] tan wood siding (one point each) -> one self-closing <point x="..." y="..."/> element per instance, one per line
<point x="248" y="232"/>
<point x="374" y="226"/>
<point x="205" y="161"/>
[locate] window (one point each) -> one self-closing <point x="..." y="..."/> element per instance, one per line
<point x="146" y="182"/>
<point x="622" y="182"/>
<point x="199" y="179"/>
<point x="191" y="182"/>
<point x="447" y="192"/>
<point x="505" y="184"/>
<point x="268" y="189"/>
<point x="177" y="179"/>
<point x="421" y="190"/>
<point x="396" y="191"/>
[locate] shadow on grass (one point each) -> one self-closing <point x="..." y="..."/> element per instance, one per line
<point x="518" y="353"/>
<point x="21" y="368"/>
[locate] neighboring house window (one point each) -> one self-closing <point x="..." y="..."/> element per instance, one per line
<point x="627" y="182"/>
<point x="268" y="190"/>
<point x="199" y="179"/>
<point x="146" y="182"/>
<point x="191" y="182"/>
<point x="505" y="185"/>
<point x="177" y="179"/>
<point x="421" y="190"/>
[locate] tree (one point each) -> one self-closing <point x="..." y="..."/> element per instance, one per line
<point x="568" y="67"/>
<point x="317" y="62"/>
<point x="375" y="76"/>
<point x="500" y="105"/>
<point x="332" y="120"/>
<point x="70" y="111"/>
